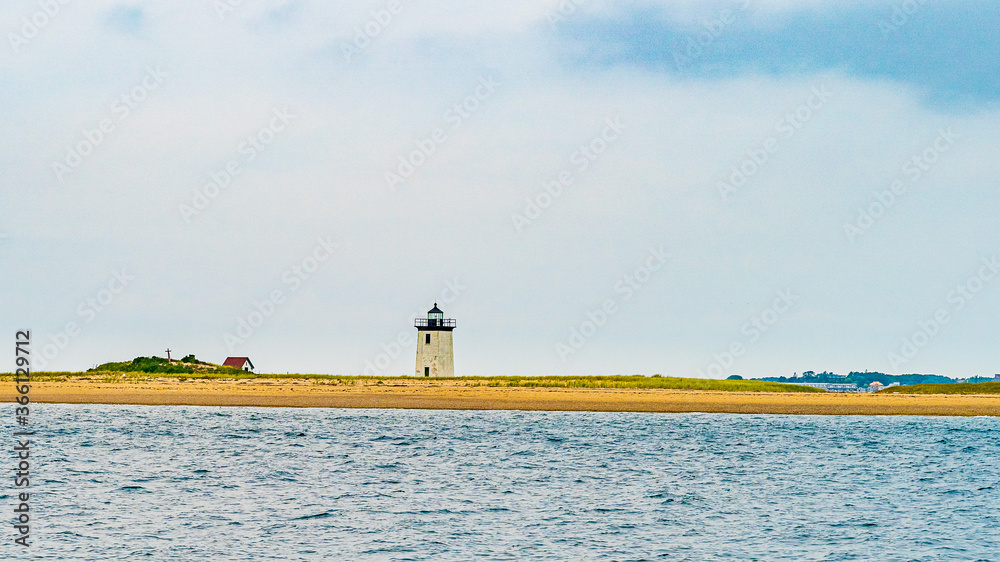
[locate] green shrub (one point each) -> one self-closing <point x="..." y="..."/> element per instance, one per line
<point x="951" y="388"/>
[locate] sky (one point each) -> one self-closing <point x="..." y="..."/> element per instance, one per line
<point x="685" y="188"/>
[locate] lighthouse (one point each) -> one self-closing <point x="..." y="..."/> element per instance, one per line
<point x="435" y="355"/>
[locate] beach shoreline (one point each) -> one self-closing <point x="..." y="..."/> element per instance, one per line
<point x="461" y="395"/>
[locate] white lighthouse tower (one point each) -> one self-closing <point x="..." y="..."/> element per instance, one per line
<point x="435" y="355"/>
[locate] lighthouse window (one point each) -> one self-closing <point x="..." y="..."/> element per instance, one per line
<point x="427" y="338"/>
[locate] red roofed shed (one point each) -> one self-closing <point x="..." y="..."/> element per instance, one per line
<point x="242" y="363"/>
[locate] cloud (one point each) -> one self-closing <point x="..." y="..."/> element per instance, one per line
<point x="944" y="50"/>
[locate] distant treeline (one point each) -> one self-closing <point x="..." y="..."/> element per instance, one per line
<point x="866" y="378"/>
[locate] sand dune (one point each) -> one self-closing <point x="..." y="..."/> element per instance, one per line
<point x="462" y="395"/>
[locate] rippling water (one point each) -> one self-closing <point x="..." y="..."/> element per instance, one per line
<point x="192" y="483"/>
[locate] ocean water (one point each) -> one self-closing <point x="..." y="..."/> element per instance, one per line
<point x="201" y="483"/>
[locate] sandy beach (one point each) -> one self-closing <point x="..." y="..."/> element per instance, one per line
<point x="463" y="395"/>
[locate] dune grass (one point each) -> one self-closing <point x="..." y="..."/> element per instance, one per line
<point x="133" y="376"/>
<point x="953" y="388"/>
<point x="609" y="381"/>
<point x="639" y="381"/>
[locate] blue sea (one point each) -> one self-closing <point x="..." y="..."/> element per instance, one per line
<point x="206" y="483"/>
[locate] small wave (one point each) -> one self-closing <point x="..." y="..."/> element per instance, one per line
<point x="316" y="516"/>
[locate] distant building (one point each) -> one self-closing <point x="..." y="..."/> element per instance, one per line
<point x="892" y="384"/>
<point x="832" y="386"/>
<point x="996" y="378"/>
<point x="241" y="363"/>
<point x="875" y="386"/>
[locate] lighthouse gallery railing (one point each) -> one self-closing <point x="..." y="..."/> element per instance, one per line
<point x="434" y="323"/>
